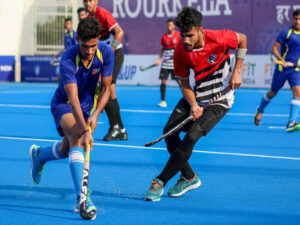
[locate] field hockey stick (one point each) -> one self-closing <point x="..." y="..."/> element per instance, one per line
<point x="188" y="119"/>
<point x="153" y="65"/>
<point x="91" y="215"/>
<point x="279" y="62"/>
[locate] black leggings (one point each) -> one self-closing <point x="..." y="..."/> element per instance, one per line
<point x="118" y="62"/>
<point x="181" y="150"/>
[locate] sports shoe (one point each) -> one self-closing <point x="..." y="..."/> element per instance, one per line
<point x="162" y="104"/>
<point x="36" y="166"/>
<point x="89" y="204"/>
<point x="292" y="126"/>
<point x="257" y="117"/>
<point x="183" y="185"/>
<point x="156" y="190"/>
<point x="115" y="133"/>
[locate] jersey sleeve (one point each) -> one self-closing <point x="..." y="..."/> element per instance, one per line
<point x="281" y="37"/>
<point x="67" y="71"/>
<point x="108" y="62"/>
<point x="230" y="39"/>
<point x="109" y="20"/>
<point x="162" y="41"/>
<point x="181" y="69"/>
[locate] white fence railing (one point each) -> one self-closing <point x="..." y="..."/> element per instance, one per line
<point x="49" y="18"/>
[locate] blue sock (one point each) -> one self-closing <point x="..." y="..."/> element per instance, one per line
<point x="76" y="161"/>
<point x="294" y="109"/>
<point x="50" y="153"/>
<point x="264" y="102"/>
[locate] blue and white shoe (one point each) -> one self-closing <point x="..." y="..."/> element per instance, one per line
<point x="36" y="166"/>
<point x="89" y="204"/>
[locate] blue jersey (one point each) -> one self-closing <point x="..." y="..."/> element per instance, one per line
<point x="73" y="70"/>
<point x="70" y="39"/>
<point x="289" y="41"/>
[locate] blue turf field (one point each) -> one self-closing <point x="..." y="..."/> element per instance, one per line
<point x="249" y="175"/>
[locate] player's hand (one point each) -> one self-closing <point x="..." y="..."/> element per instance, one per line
<point x="157" y="62"/>
<point x="235" y="80"/>
<point x="284" y="63"/>
<point x="92" y="123"/>
<point x="87" y="139"/>
<point x="196" y="112"/>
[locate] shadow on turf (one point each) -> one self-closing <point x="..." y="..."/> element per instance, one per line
<point x="62" y="193"/>
<point x="36" y="210"/>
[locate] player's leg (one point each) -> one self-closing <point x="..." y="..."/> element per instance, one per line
<point x="117" y="130"/>
<point x="163" y="86"/>
<point x="294" y="80"/>
<point x="179" y="158"/>
<point x="278" y="81"/>
<point x="76" y="155"/>
<point x="40" y="155"/>
<point x="180" y="112"/>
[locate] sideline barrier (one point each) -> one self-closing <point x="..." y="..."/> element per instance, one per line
<point x="7" y="68"/>
<point x="257" y="71"/>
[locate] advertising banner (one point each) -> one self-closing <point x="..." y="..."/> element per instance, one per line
<point x="257" y="71"/>
<point x="144" y="21"/>
<point x="7" y="68"/>
<point x="38" y="69"/>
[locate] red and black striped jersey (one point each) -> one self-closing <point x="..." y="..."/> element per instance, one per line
<point x="107" y="22"/>
<point x="169" y="43"/>
<point x="211" y="64"/>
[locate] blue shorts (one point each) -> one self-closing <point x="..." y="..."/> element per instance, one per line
<point x="58" y="110"/>
<point x="279" y="78"/>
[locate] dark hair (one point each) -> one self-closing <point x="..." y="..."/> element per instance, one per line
<point x="188" y="18"/>
<point x="79" y="10"/>
<point x="171" y="20"/>
<point x="296" y="12"/>
<point x="88" y="29"/>
<point x="68" y="19"/>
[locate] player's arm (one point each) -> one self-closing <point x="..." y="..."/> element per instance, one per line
<point x="235" y="79"/>
<point x="101" y="102"/>
<point x="275" y="52"/>
<point x="157" y="62"/>
<point x="119" y="34"/>
<point x="189" y="95"/>
<point x="72" y="93"/>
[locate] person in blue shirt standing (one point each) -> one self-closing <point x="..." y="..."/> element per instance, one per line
<point x="70" y="37"/>
<point x="289" y="43"/>
<point x="84" y="67"/>
<point x="69" y="40"/>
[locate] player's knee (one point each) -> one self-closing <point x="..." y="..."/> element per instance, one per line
<point x="272" y="94"/>
<point x="191" y="138"/>
<point x="183" y="154"/>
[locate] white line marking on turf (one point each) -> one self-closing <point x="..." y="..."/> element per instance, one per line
<point x="274" y="127"/>
<point x="139" y="110"/>
<point x="26" y="92"/>
<point x="25" y="106"/>
<point x="144" y="111"/>
<point x="163" y="149"/>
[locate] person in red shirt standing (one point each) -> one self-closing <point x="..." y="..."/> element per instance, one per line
<point x="112" y="34"/>
<point x="207" y="53"/>
<point x="169" y="41"/>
